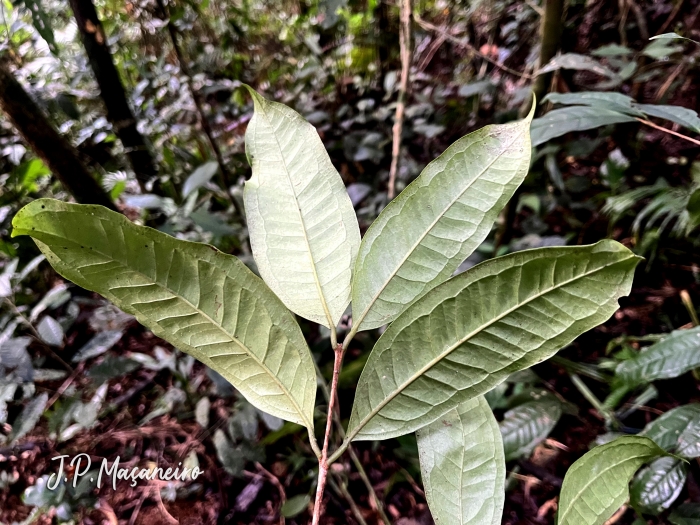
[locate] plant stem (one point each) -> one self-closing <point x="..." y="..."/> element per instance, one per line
<point x="342" y="490"/>
<point x="353" y="456"/>
<point x="669" y="131"/>
<point x="592" y="399"/>
<point x="405" y="45"/>
<point x="323" y="463"/>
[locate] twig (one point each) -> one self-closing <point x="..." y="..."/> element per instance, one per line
<point x="224" y="174"/>
<point x="342" y="490"/>
<point x="674" y="12"/>
<point x="64" y="386"/>
<point x="353" y="455"/>
<point x="405" y="45"/>
<point x="466" y="45"/>
<point x="667" y="83"/>
<point x="669" y="131"/>
<point x="276" y="482"/>
<point x="323" y="463"/>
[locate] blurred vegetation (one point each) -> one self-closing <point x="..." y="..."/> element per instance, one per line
<point x="617" y="141"/>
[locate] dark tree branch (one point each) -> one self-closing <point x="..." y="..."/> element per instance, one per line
<point x="119" y="112"/>
<point x="59" y="155"/>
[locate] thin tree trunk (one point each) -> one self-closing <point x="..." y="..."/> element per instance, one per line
<point x="119" y="112"/>
<point x="550" y="35"/>
<point x="59" y="155"/>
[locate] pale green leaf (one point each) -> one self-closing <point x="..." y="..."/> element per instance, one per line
<point x="689" y="440"/>
<point x="303" y="229"/>
<point x="599" y="99"/>
<point x="672" y="356"/>
<point x="672" y="36"/>
<point x="597" y="485"/>
<point x="561" y="121"/>
<point x="527" y="425"/>
<point x="666" y="430"/>
<point x="50" y="331"/>
<point x="204" y="302"/>
<point x="659" y="49"/>
<point x="199" y="177"/>
<point x="462" y="466"/>
<point x="424" y="234"/>
<point x="658" y="485"/>
<point x="677" y="114"/>
<point x="470" y="333"/>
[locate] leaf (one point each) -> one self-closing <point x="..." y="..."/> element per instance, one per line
<point x="689" y="440"/>
<point x="660" y="49"/>
<point x="612" y="50"/>
<point x="672" y="356"/>
<point x="598" y="483"/>
<point x="98" y="345"/>
<point x="28" y="418"/>
<point x="602" y="99"/>
<point x="462" y="466"/>
<point x="295" y="505"/>
<point x="527" y="425"/>
<point x="561" y="121"/>
<point x="658" y="485"/>
<point x="667" y="428"/>
<point x="199" y="177"/>
<point x="579" y="62"/>
<point x="424" y="234"/>
<point x="470" y="333"/>
<point x="672" y="36"/>
<point x="303" y="229"/>
<point x="50" y="331"/>
<point x="686" y="514"/>
<point x="204" y="302"/>
<point x="42" y="23"/>
<point x="678" y="114"/>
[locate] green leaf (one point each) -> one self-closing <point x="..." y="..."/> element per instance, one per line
<point x="470" y="333"/>
<point x="295" y="505"/>
<point x="199" y="177"/>
<point x="462" y="466"/>
<point x="204" y="302"/>
<point x="600" y="99"/>
<point x="527" y="425"/>
<point x="561" y="121"/>
<point x="660" y="49"/>
<point x="672" y="356"/>
<point x="28" y="418"/>
<point x="424" y="234"/>
<point x="686" y="514"/>
<point x="578" y="62"/>
<point x="658" y="485"/>
<point x="677" y="114"/>
<point x="42" y="23"/>
<point x="666" y="430"/>
<point x="598" y="483"/>
<point x="672" y="36"/>
<point x="303" y="229"/>
<point x="689" y="440"/>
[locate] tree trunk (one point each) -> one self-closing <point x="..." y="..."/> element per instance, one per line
<point x="112" y="90"/>
<point x="60" y="156"/>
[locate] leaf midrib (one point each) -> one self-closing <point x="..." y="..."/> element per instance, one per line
<point x="460" y="342"/>
<point x="200" y="312"/>
<point x="413" y="248"/>
<point x="317" y="282"/>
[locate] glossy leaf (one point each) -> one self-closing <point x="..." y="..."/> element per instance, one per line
<point x="561" y="121"/>
<point x="527" y="425"/>
<point x="468" y="334"/>
<point x="303" y="229"/>
<point x="597" y="485"/>
<point x="424" y="234"/>
<point x="204" y="302"/>
<point x="689" y="440"/>
<point x="658" y="485"/>
<point x="672" y="356"/>
<point x="604" y="99"/>
<point x="577" y="62"/>
<point x="672" y="36"/>
<point x="666" y="430"/>
<point x="462" y="466"/>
